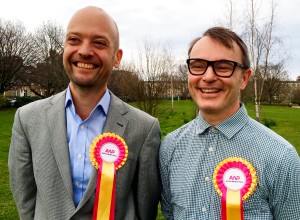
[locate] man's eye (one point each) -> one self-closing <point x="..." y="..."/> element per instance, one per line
<point x="198" y="65"/>
<point x="73" y="40"/>
<point x="223" y="67"/>
<point x="100" y="43"/>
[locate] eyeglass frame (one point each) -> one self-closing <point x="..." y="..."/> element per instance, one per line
<point x="212" y="62"/>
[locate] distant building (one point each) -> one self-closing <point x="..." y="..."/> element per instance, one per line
<point x="24" y="91"/>
<point x="291" y="92"/>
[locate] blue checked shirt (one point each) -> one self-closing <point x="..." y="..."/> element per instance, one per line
<point x="80" y="135"/>
<point x="190" y="154"/>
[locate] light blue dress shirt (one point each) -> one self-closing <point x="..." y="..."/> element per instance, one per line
<point x="80" y="135"/>
<point x="190" y="154"/>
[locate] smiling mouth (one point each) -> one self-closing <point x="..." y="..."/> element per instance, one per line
<point x="85" y="65"/>
<point x="210" y="90"/>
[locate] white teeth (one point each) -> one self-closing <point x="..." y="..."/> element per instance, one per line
<point x="209" y="90"/>
<point x="85" y="65"/>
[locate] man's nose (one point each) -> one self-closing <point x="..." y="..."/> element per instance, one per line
<point x="209" y="74"/>
<point x="85" y="49"/>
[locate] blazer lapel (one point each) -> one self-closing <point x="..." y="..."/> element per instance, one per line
<point x="58" y="136"/>
<point x="115" y="123"/>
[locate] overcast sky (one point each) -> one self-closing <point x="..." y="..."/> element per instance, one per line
<point x="174" y="22"/>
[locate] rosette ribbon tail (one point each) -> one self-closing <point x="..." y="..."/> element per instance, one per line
<point x="105" y="192"/>
<point x="232" y="205"/>
<point x="108" y="153"/>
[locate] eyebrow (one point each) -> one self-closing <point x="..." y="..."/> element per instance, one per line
<point x="94" y="37"/>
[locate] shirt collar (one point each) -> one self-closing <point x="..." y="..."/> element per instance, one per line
<point x="102" y="104"/>
<point x="229" y="127"/>
<point x="201" y="124"/>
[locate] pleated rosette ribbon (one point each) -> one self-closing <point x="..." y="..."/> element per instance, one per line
<point x="108" y="153"/>
<point x="235" y="181"/>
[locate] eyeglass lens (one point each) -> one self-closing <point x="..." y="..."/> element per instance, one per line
<point x="221" y="67"/>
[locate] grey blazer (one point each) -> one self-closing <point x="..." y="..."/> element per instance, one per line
<point x="39" y="166"/>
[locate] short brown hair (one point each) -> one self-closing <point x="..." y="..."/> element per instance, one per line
<point x="226" y="37"/>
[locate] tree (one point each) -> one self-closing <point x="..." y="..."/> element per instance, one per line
<point x="16" y="54"/>
<point x="263" y="46"/>
<point x="153" y="68"/>
<point x="49" y="71"/>
<point x="123" y="82"/>
<point x="230" y="14"/>
<point x="296" y="94"/>
<point x="267" y="63"/>
<point x="273" y="82"/>
<point x="254" y="61"/>
<point x="181" y="81"/>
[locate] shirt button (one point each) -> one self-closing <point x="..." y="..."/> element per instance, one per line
<point x="213" y="130"/>
<point x="211" y="149"/>
<point x="79" y="156"/>
<point x="77" y="184"/>
<point x="206" y="179"/>
<point x="203" y="209"/>
<point x="82" y="127"/>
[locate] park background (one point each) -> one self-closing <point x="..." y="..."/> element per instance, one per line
<point x="31" y="63"/>
<point x="284" y="120"/>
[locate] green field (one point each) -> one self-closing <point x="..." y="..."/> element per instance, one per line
<point x="287" y="119"/>
<point x="287" y="122"/>
<point x="7" y="205"/>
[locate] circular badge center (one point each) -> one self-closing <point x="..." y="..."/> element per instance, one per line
<point x="234" y="179"/>
<point x="109" y="152"/>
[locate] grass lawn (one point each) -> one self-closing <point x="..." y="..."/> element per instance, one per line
<point x="287" y="121"/>
<point x="7" y="205"/>
<point x="287" y="124"/>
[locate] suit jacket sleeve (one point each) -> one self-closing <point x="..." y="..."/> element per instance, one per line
<point x="22" y="181"/>
<point x="148" y="188"/>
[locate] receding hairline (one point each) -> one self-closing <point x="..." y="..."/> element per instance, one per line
<point x="225" y="37"/>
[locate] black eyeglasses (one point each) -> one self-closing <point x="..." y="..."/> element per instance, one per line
<point x="222" y="68"/>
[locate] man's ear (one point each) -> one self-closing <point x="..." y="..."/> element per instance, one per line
<point x="245" y="79"/>
<point x="118" y="58"/>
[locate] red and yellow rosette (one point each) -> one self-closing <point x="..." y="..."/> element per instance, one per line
<point x="235" y="181"/>
<point x="108" y="152"/>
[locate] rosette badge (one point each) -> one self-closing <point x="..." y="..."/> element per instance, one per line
<point x="108" y="153"/>
<point x="235" y="181"/>
<point x="110" y="148"/>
